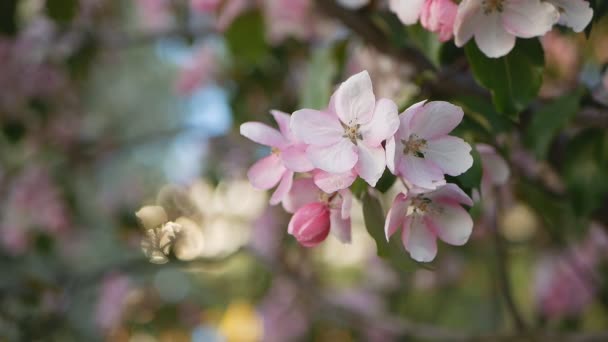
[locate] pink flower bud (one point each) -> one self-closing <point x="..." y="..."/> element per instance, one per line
<point x="438" y="16"/>
<point x="310" y="224"/>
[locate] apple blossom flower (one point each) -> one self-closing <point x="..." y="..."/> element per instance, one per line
<point x="428" y="216"/>
<point x="421" y="151"/>
<point x="288" y="156"/>
<point x="496" y="23"/>
<point x="576" y="14"/>
<point x="495" y="170"/>
<point x="317" y="213"/>
<point x="435" y="15"/>
<point x="349" y="135"/>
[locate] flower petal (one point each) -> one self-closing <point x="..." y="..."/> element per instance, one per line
<point x="396" y="215"/>
<point x="435" y="119"/>
<point x="574" y="13"/>
<point x="355" y="100"/>
<point x="451" y="154"/>
<point x="491" y="37"/>
<point x="283" y="120"/>
<point x="315" y="127"/>
<point x="337" y="158"/>
<point x="263" y="134"/>
<point x="408" y="11"/>
<point x="467" y="21"/>
<point x="340" y="227"/>
<point x="390" y="154"/>
<point x="453" y="224"/>
<point x="450" y="193"/>
<point x="420" y="172"/>
<point x="266" y="172"/>
<point x="495" y="168"/>
<point x="283" y="189"/>
<point x="529" y="18"/>
<point x="418" y="240"/>
<point x="303" y="191"/>
<point x="383" y="125"/>
<point x="332" y="182"/>
<point x="371" y="163"/>
<point x="347" y="203"/>
<point x="295" y="158"/>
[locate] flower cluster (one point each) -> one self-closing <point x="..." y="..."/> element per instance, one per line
<point x="494" y="23"/>
<point x="358" y="135"/>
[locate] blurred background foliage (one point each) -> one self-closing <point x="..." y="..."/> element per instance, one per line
<point x="103" y="103"/>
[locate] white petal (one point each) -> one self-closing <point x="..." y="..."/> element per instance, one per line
<point x="295" y="158"/>
<point x="419" y="241"/>
<point x="405" y="120"/>
<point x="435" y="119"/>
<point x="332" y="182"/>
<point x="491" y="37"/>
<point x="355" y="100"/>
<point x="283" y="121"/>
<point x="528" y="18"/>
<point x="451" y="154"/>
<point x="383" y="125"/>
<point x="395" y="216"/>
<point x="371" y="164"/>
<point x="347" y="203"/>
<point x="390" y="155"/>
<point x="453" y="224"/>
<point x="315" y="127"/>
<point x="337" y="158"/>
<point x="574" y="13"/>
<point x="263" y="134"/>
<point x="339" y="227"/>
<point x="420" y="172"/>
<point x="408" y="11"/>
<point x="467" y="21"/>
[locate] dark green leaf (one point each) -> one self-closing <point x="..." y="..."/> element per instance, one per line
<point x="549" y="120"/>
<point x="246" y="40"/>
<point x="515" y="79"/>
<point x="359" y="188"/>
<point x="425" y="41"/>
<point x="319" y="77"/>
<point x="386" y="181"/>
<point x="62" y="11"/>
<point x="586" y="169"/>
<point x="482" y="111"/>
<point x="8" y="17"/>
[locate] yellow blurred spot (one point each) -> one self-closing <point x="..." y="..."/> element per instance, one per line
<point x="518" y="223"/>
<point x="241" y="323"/>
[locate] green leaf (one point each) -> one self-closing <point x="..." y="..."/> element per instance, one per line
<point x="386" y="181"/>
<point x="359" y="188"/>
<point x="585" y="170"/>
<point x="319" y="77"/>
<point x="8" y="17"/>
<point x="483" y="112"/>
<point x="549" y="120"/>
<point x="246" y="40"/>
<point x="62" y="11"/>
<point x="515" y="79"/>
<point x="425" y="41"/>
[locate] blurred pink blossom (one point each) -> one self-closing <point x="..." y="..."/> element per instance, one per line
<point x="155" y="15"/>
<point x="205" y="6"/>
<point x="111" y="301"/>
<point x="284" y="315"/>
<point x="285" y="18"/>
<point x="198" y="71"/>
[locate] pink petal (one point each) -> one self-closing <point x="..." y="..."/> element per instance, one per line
<point x="355" y="100"/>
<point x="405" y="119"/>
<point x="347" y="202"/>
<point x="419" y="241"/>
<point x="396" y="215"/>
<point x="408" y="11"/>
<point x="574" y="13"/>
<point x="383" y="125"/>
<point x="452" y="223"/>
<point x="420" y="172"/>
<point x="283" y="120"/>
<point x="436" y="119"/>
<point x="450" y="193"/>
<point x="529" y="18"/>
<point x="337" y="158"/>
<point x="492" y="38"/>
<point x="371" y="163"/>
<point x="295" y="158"/>
<point x="340" y="227"/>
<point x="451" y="154"/>
<point x="266" y="172"/>
<point x="310" y="225"/>
<point x="283" y="189"/>
<point x="263" y="134"/>
<point x="467" y="21"/>
<point x="303" y="191"/>
<point x="316" y="128"/>
<point x="332" y="182"/>
<point x="495" y="168"/>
